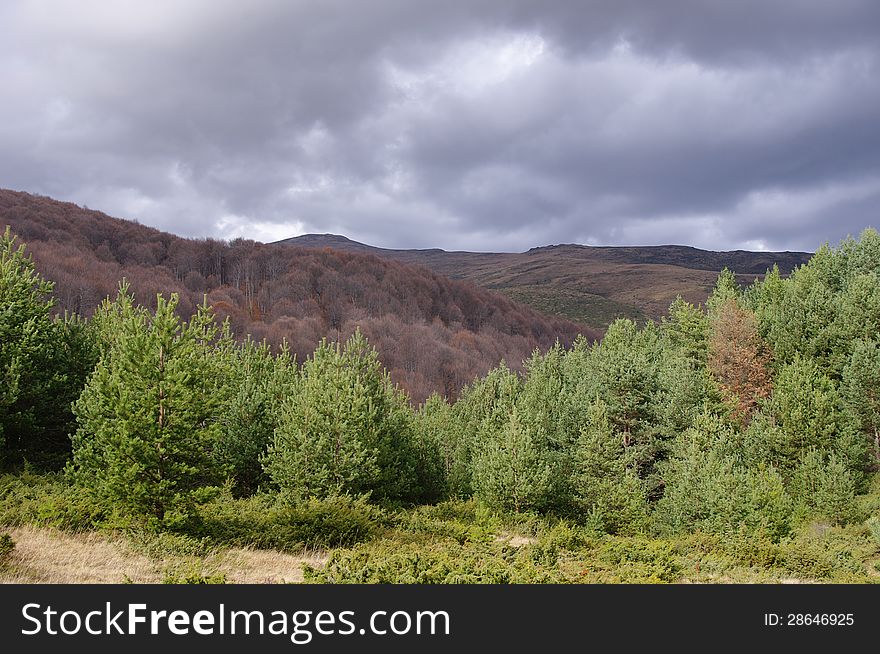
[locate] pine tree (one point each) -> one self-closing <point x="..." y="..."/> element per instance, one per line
<point x="43" y="364"/>
<point x="607" y="491"/>
<point x="551" y="409"/>
<point x="807" y="411"/>
<point x="625" y="373"/>
<point x="861" y="389"/>
<point x="824" y="485"/>
<point x="251" y="409"/>
<point x="708" y="489"/>
<point x="346" y="430"/>
<point x="148" y="417"/>
<point x="686" y="327"/>
<point x="485" y="405"/>
<point x="726" y="290"/>
<point x="739" y="358"/>
<point x="24" y="326"/>
<point x="509" y="471"/>
<point x="437" y="444"/>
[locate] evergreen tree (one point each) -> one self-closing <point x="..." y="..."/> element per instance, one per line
<point x="485" y="405"/>
<point x="251" y="409"/>
<point x="625" y="373"/>
<point x="861" y="390"/>
<point x="148" y="417"/>
<point x="607" y="490"/>
<point x="346" y="430"/>
<point x="706" y="489"/>
<point x="24" y="330"/>
<point x="686" y="327"/>
<point x="726" y="290"/>
<point x="550" y="409"/>
<point x="807" y="410"/>
<point x="437" y="444"/>
<point x="43" y="364"/>
<point x="509" y="471"/>
<point x="824" y="485"/>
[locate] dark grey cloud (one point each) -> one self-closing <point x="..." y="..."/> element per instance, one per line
<point x="486" y="124"/>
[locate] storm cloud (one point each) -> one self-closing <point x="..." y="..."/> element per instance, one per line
<point x="479" y="125"/>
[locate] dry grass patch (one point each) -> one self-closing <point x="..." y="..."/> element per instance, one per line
<point x="249" y="566"/>
<point x="515" y="540"/>
<point x="48" y="556"/>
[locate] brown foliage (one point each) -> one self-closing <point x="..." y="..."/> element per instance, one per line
<point x="432" y="333"/>
<point x="739" y="358"/>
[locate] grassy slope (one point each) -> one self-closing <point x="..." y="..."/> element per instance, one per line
<point x="591" y="285"/>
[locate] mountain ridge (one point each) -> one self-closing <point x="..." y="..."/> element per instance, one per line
<point x="591" y="285"/>
<point x="645" y="253"/>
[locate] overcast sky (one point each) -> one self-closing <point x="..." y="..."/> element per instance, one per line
<point x="479" y="125"/>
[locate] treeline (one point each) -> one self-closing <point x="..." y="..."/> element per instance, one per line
<point x="432" y="334"/>
<point x="755" y="413"/>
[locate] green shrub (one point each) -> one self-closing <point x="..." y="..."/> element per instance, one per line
<point x="396" y="563"/>
<point x="873" y="524"/>
<point x="641" y="560"/>
<point x="49" y="501"/>
<point x="460" y="521"/>
<point x="261" y="522"/>
<point x="7" y="545"/>
<point x="836" y="553"/>
<point x="565" y="537"/>
<point x="193" y="576"/>
<point x="752" y="549"/>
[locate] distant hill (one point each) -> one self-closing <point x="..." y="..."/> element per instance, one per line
<point x="590" y="285"/>
<point x="432" y="333"/>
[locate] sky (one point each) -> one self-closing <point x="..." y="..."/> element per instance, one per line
<point x="477" y="125"/>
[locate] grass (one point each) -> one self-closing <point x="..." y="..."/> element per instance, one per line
<point x="595" y="286"/>
<point x="346" y="541"/>
<point x="574" y="304"/>
<point x="44" y="555"/>
<point x="50" y="556"/>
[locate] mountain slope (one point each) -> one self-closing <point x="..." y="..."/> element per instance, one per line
<point x="591" y="285"/>
<point x="432" y="333"/>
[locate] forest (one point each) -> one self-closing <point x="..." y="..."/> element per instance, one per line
<point x="433" y="334"/>
<point x="733" y="441"/>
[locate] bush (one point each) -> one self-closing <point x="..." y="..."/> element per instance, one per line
<point x="7" y="545"/>
<point x="396" y="563"/>
<point x="752" y="549"/>
<point x="260" y="521"/>
<point x="873" y="525"/>
<point x="457" y="520"/>
<point x="831" y="553"/>
<point x="708" y="491"/>
<point x="49" y="501"/>
<point x="641" y="560"/>
<point x="193" y="576"/>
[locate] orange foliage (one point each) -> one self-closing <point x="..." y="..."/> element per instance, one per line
<point x="739" y="358"/>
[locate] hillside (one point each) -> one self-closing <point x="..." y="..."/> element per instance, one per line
<point x="431" y="333"/>
<point x="591" y="285"/>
